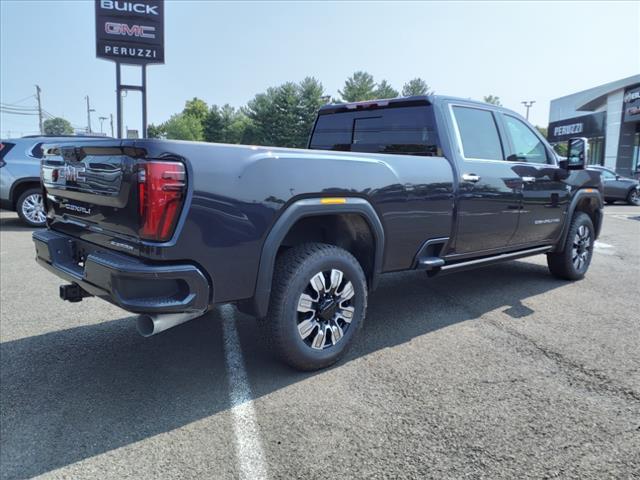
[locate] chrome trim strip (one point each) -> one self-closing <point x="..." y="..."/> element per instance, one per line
<point x="503" y="256"/>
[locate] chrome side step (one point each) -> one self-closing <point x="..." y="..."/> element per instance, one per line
<point x="494" y="259"/>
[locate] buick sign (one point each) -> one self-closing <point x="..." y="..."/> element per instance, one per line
<point x="130" y="32"/>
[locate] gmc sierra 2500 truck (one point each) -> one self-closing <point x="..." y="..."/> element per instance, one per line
<point x="299" y="238"/>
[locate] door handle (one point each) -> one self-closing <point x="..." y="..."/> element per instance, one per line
<point x="471" y="177"/>
<point x="529" y="179"/>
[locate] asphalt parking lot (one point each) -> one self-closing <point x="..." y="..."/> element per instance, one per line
<point x="503" y="372"/>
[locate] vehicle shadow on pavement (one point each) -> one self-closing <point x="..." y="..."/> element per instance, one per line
<point x="13" y="224"/>
<point x="76" y="393"/>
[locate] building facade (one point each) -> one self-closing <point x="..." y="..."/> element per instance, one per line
<point x="609" y="116"/>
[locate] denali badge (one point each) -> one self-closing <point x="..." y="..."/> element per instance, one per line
<point x="76" y="208"/>
<point x="546" y="220"/>
<point x="121" y="245"/>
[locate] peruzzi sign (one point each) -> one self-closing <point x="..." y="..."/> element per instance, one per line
<point x="130" y="32"/>
<point x="582" y="126"/>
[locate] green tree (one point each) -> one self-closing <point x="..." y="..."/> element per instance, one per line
<point x="57" y="126"/>
<point x="493" y="100"/>
<point x="212" y="125"/>
<point x="155" y="131"/>
<point x="196" y="108"/>
<point x="360" y="86"/>
<point x="385" y="90"/>
<point x="542" y="130"/>
<point x="225" y="125"/>
<point x="417" y="86"/>
<point x="310" y="92"/>
<point x="283" y="116"/>
<point x="183" y="127"/>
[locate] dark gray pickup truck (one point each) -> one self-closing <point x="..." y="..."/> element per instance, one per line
<point x="299" y="238"/>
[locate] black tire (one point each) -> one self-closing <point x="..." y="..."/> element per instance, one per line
<point x="24" y="210"/>
<point x="633" y="198"/>
<point x="573" y="261"/>
<point x="295" y="268"/>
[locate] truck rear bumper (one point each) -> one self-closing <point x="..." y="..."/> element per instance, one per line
<point x="125" y="281"/>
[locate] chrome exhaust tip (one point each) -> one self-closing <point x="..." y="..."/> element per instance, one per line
<point x="151" y="324"/>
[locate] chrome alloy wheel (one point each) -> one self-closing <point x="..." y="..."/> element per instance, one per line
<point x="634" y="197"/>
<point x="325" y="309"/>
<point x="33" y="208"/>
<point x="582" y="246"/>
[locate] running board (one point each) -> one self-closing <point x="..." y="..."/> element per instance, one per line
<point x="503" y="257"/>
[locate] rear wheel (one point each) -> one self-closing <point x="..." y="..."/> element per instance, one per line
<point x="318" y="303"/>
<point x="573" y="261"/>
<point x="30" y="208"/>
<point x="634" y="197"/>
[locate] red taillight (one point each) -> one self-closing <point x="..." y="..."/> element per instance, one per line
<point x="161" y="188"/>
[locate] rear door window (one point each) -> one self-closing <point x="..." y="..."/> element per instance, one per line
<point x="396" y="130"/>
<point x="478" y="133"/>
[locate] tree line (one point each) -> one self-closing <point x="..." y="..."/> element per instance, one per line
<point x="282" y="116"/>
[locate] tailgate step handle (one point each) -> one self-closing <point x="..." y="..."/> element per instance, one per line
<point x="73" y="293"/>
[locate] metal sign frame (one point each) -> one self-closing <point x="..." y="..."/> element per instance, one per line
<point x="130" y="33"/>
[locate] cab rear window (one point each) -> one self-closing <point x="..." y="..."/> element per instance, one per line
<point x="397" y="130"/>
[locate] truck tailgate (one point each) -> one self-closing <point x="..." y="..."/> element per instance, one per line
<point x="92" y="185"/>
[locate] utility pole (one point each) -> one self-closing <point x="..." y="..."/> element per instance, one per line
<point x="39" y="110"/>
<point x="102" y="119"/>
<point x="111" y="117"/>
<point x="89" y="110"/>
<point x="528" y="105"/>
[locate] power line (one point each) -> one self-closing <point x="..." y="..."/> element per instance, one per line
<point x="9" y="112"/>
<point x="21" y="100"/>
<point x="10" y="107"/>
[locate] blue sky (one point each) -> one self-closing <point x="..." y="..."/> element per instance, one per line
<point x="225" y="52"/>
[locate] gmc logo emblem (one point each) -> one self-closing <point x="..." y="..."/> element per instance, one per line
<point x="141" y="31"/>
<point x="71" y="174"/>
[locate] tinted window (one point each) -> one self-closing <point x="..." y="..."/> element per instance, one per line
<point x="36" y="151"/>
<point x="400" y="130"/>
<point x="608" y="175"/>
<point x="528" y="147"/>
<point x="478" y="133"/>
<point x="4" y="148"/>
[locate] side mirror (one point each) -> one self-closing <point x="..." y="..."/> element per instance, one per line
<point x="577" y="154"/>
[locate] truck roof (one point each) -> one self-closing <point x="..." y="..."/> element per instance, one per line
<point x="399" y="102"/>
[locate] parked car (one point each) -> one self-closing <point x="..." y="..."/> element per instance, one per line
<point x="299" y="238"/>
<point x="617" y="187"/>
<point x="20" y="189"/>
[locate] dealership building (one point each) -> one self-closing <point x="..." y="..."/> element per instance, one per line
<point x="609" y="116"/>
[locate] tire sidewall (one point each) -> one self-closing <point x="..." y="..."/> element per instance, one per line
<point x="320" y="262"/>
<point x="20" y="202"/>
<point x="580" y="220"/>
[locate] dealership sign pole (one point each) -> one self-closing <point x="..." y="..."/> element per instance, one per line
<point x="130" y="33"/>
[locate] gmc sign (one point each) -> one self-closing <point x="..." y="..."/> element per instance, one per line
<point x="130" y="32"/>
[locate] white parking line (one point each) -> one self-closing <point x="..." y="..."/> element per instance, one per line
<point x="248" y="446"/>
<point x="600" y="245"/>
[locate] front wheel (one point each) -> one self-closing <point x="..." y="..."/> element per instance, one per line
<point x="573" y="261"/>
<point x="318" y="303"/>
<point x="634" y="197"/>
<point x="31" y="209"/>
